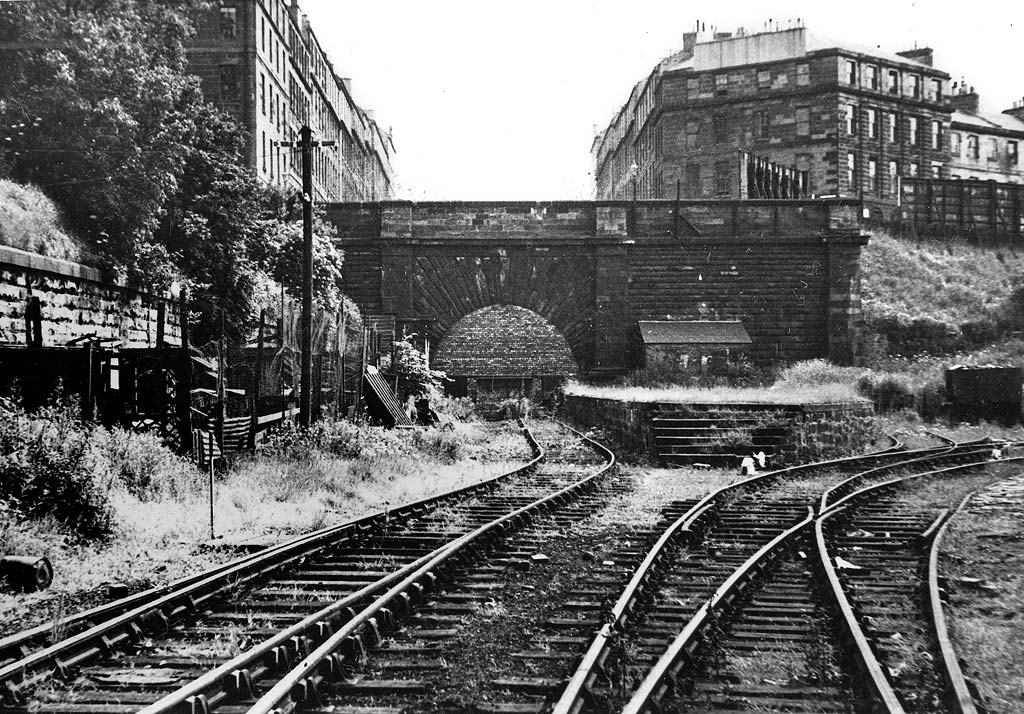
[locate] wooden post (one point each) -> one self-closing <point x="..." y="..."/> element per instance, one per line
<point x="184" y="379"/>
<point x="257" y="380"/>
<point x="993" y="211"/>
<point x="87" y="395"/>
<point x="210" y="444"/>
<point x="34" y="322"/>
<point x="161" y="316"/>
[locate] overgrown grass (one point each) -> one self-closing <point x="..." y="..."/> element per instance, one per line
<point x="155" y="504"/>
<point x="937" y="297"/>
<point x="30" y="221"/>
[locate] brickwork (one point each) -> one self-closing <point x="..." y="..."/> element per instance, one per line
<point x="504" y="341"/>
<point x="789" y="270"/>
<point x="75" y="303"/>
<point x="786" y="96"/>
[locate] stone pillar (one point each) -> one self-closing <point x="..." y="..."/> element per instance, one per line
<point x="611" y="291"/>
<point x="845" y="319"/>
<point x="396" y="260"/>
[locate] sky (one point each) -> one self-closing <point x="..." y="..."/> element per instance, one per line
<point x="499" y="100"/>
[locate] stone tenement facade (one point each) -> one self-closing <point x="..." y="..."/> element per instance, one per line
<point x="855" y="118"/>
<point x="789" y="270"/>
<point x="262" y="61"/>
<point x="75" y="303"/>
<point x="983" y="145"/>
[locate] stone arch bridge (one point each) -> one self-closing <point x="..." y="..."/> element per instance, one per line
<point x="789" y="270"/>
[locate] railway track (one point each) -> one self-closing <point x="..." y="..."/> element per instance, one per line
<point x="320" y="578"/>
<point x="703" y="567"/>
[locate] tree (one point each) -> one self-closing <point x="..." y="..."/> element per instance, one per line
<point x="415" y="377"/>
<point x="99" y="112"/>
<point x="327" y="263"/>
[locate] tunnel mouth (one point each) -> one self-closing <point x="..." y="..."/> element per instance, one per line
<point x="504" y="344"/>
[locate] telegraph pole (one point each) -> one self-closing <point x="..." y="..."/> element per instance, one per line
<point x="306" y="144"/>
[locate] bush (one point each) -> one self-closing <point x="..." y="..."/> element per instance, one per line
<point x="54" y="469"/>
<point x="30" y="221"/>
<point x="145" y="466"/>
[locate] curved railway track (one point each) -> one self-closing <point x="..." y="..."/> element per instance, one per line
<point x="682" y="597"/>
<point x="317" y="579"/>
<point x="730" y="602"/>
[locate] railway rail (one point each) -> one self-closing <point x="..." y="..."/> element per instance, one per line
<point x="373" y="619"/>
<point x="255" y="596"/>
<point x="680" y="594"/>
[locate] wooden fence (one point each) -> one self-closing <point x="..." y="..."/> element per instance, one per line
<point x="948" y="209"/>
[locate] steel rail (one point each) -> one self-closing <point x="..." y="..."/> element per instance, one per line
<point x="302" y="683"/>
<point x="878" y="682"/>
<point x="666" y="670"/>
<point x="841" y="489"/>
<point x="685" y="528"/>
<point x="129" y="616"/>
<point x="958" y="692"/>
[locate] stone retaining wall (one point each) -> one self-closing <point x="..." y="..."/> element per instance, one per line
<point x="76" y="302"/>
<point x="819" y="431"/>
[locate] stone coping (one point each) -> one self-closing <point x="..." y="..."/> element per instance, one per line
<point x="744" y="406"/>
<point x="65" y="269"/>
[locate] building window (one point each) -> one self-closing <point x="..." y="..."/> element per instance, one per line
<point x="722" y="182"/>
<point x="851" y="72"/>
<point x="263" y="34"/>
<point x="850" y="119"/>
<point x="872" y="124"/>
<point x="894" y="178"/>
<point x="873" y="175"/>
<point x="936" y="135"/>
<point x="972" y="147"/>
<point x="937" y="90"/>
<point x="915" y="86"/>
<point x="913" y="170"/>
<point x="954" y="143"/>
<point x="692" y="134"/>
<point x="803" y="75"/>
<point x="273" y="104"/>
<point x="993" y="149"/>
<point x="228" y="23"/>
<point x="721" y="84"/>
<point x="1011" y="153"/>
<point x="719" y="130"/>
<point x="871" y="76"/>
<point x="693" y="187"/>
<point x="912" y="126"/>
<point x="764" y="79"/>
<point x="263" y="151"/>
<point x="851" y="172"/>
<point x="893" y="86"/>
<point x="936" y="170"/>
<point x="891" y="127"/>
<point x="761" y="120"/>
<point x="228" y="82"/>
<point x="803" y="121"/>
<point x="263" y="93"/>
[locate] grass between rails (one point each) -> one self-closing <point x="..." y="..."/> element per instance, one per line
<point x="292" y="486"/>
<point x="983" y="561"/>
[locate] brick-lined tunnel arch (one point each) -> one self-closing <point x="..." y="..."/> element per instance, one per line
<point x="504" y="341"/>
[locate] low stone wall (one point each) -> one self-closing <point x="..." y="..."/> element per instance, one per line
<point x="819" y="431"/>
<point x="76" y="302"/>
<point x="829" y="431"/>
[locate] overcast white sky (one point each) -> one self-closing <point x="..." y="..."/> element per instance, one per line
<point x="494" y="100"/>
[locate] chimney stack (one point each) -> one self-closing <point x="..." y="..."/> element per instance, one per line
<point x="964" y="100"/>
<point x="924" y="55"/>
<point x="1017" y="110"/>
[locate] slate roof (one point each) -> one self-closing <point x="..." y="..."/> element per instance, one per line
<point x="988" y="120"/>
<point x="694" y="332"/>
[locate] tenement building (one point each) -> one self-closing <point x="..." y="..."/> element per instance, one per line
<point x="983" y="145"/>
<point x="262" y="61"/>
<point x="855" y="119"/>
